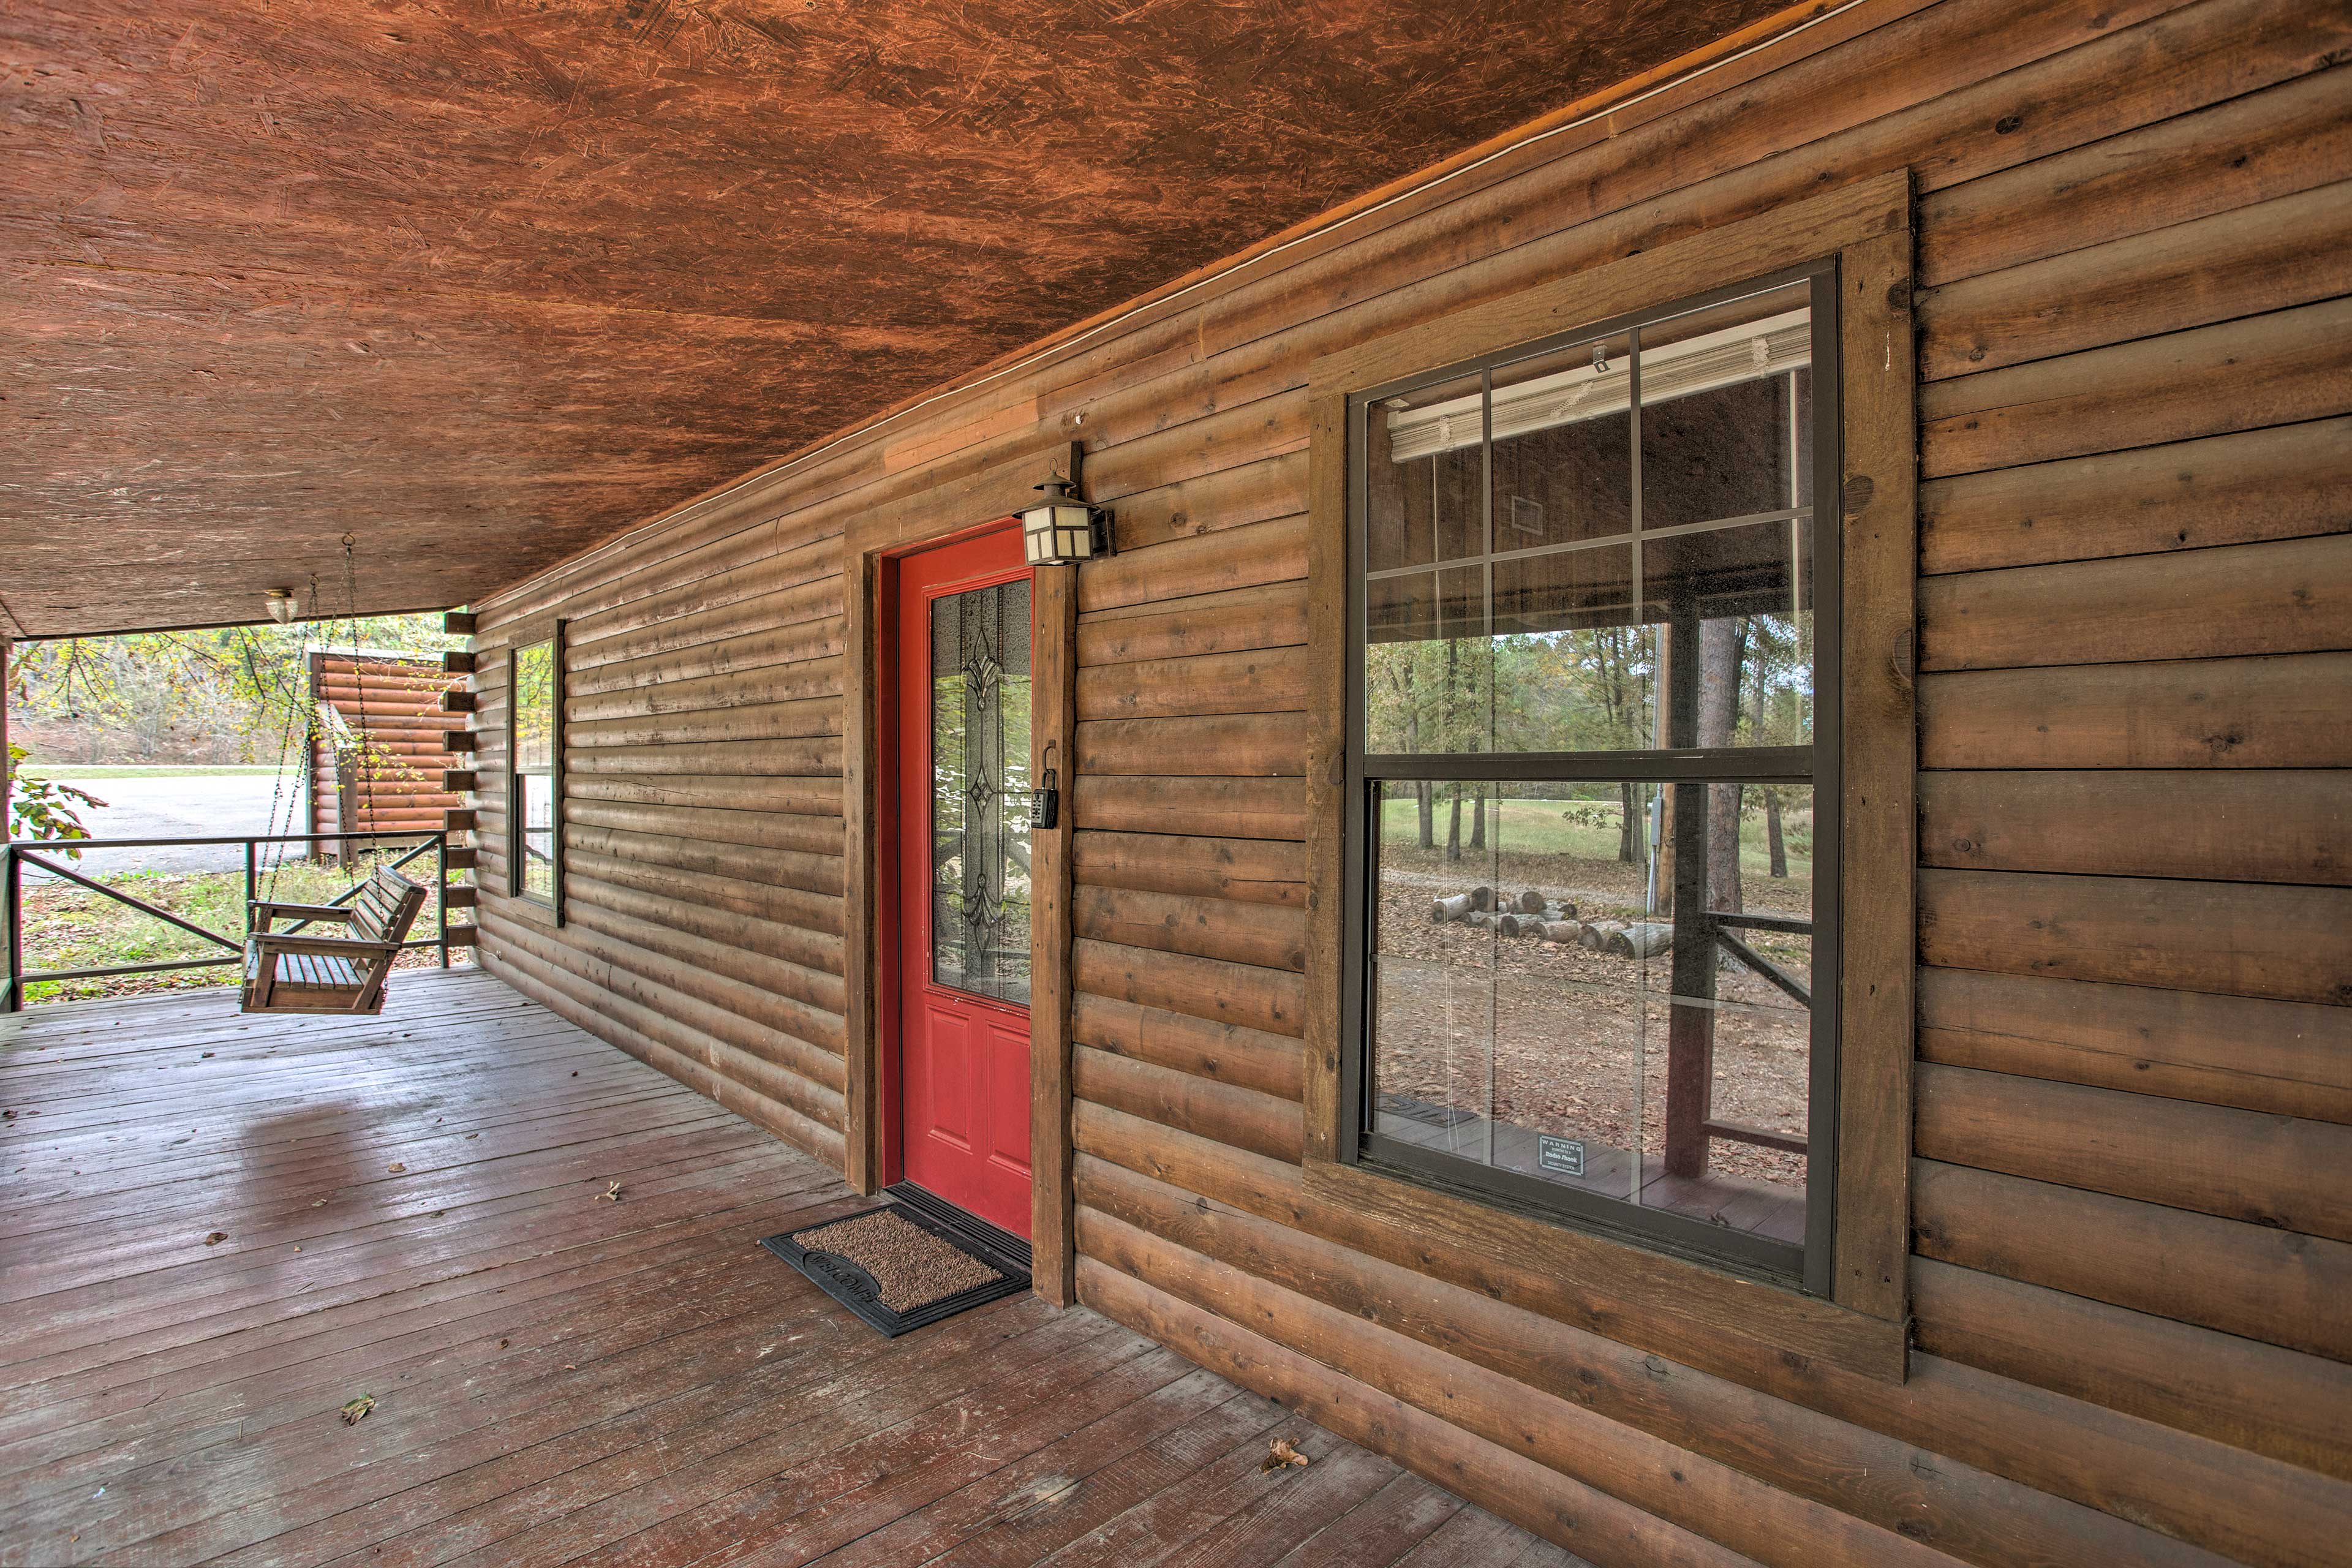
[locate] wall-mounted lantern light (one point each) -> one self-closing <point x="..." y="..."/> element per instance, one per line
<point x="1062" y="529"/>
<point x="281" y="606"/>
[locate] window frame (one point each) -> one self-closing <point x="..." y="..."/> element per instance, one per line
<point x="1815" y="765"/>
<point x="550" y="637"/>
<point x="1853" y="1309"/>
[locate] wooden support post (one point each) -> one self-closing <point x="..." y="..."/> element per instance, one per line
<point x="1054" y="732"/>
<point x="7" y="763"/>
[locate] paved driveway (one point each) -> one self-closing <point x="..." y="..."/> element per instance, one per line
<point x="193" y="806"/>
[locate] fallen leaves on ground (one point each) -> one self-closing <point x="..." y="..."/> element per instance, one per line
<point x="357" y="1410"/>
<point x="395" y="1167"/>
<point x="215" y="1238"/>
<point x="611" y="1195"/>
<point x="1279" y="1455"/>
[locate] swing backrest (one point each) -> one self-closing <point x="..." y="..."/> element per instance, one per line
<point x="386" y="906"/>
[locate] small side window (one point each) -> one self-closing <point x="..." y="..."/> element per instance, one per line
<point x="535" y="796"/>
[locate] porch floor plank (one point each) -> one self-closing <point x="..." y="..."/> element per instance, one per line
<point x="216" y="1229"/>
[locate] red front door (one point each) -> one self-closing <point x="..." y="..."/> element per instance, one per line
<point x="962" y="911"/>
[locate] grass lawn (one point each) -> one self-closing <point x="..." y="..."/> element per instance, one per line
<point x="1538" y="828"/>
<point x="69" y="772"/>
<point x="66" y="927"/>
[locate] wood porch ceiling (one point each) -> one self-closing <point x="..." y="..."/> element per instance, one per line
<point x="486" y="281"/>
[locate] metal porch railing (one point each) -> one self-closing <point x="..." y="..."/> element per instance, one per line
<point x="48" y="856"/>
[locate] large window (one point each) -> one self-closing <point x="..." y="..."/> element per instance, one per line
<point x="1593" y="790"/>
<point x="535" y="825"/>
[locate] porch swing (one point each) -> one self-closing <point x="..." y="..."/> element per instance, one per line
<point x="289" y="971"/>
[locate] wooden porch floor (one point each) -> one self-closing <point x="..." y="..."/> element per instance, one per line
<point x="214" y="1230"/>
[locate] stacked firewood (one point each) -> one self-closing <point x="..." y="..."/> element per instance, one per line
<point x="1533" y="914"/>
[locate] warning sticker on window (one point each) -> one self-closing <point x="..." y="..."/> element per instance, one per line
<point x="1565" y="1155"/>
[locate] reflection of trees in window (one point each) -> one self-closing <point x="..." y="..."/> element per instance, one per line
<point x="535" y="765"/>
<point x="1588" y="578"/>
<point x="980" y="895"/>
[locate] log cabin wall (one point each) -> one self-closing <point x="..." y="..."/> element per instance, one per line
<point x="395" y="704"/>
<point x="2132" y="1198"/>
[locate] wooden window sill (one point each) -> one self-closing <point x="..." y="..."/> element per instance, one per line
<point x="1651" y="1284"/>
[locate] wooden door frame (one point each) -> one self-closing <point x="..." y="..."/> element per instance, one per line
<point x="899" y="527"/>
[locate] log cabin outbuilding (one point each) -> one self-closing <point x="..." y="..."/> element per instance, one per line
<point x="374" y="751"/>
<point x="1697" y="871"/>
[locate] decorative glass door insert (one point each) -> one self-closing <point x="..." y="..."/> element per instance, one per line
<point x="980" y="791"/>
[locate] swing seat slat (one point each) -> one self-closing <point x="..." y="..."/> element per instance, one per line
<point x="292" y="972"/>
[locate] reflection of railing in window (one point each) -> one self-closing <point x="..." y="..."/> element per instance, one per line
<point x="1691" y="1123"/>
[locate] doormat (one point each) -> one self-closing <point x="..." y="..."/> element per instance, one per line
<point x="899" y="1269"/>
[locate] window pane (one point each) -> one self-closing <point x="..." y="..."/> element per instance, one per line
<point x="1737" y="641"/>
<point x="1728" y="1037"/>
<point x="979" y="784"/>
<point x="1572" y="668"/>
<point x="534" y="771"/>
<point x="538" y="837"/>
<point x="1434" y="1001"/>
<point x="1726" y="400"/>
<point x="1428" y="663"/>
<point x="534" y="707"/>
<point x="1540" y="1007"/>
<point x="1422" y="477"/>
<point x="1563" y="445"/>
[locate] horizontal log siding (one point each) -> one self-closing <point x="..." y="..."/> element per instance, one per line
<point x="2136" y="656"/>
<point x="702" y="842"/>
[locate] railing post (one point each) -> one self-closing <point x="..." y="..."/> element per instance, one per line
<point x="12" y="896"/>
<point x="252" y="887"/>
<point x="441" y="890"/>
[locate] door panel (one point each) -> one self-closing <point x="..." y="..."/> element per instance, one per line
<point x="963" y="910"/>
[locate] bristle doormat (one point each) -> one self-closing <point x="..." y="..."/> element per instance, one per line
<point x="899" y="1268"/>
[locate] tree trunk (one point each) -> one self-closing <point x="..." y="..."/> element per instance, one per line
<point x="1645" y="940"/>
<point x="1633" y="838"/>
<point x="1453" y="826"/>
<point x="1661" y="845"/>
<point x="1718" y="714"/>
<point x="1758" y="737"/>
<point x="1479" y="820"/>
<point x="1424" y="797"/>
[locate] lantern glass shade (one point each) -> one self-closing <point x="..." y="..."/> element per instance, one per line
<point x="281" y="606"/>
<point x="1058" y="532"/>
